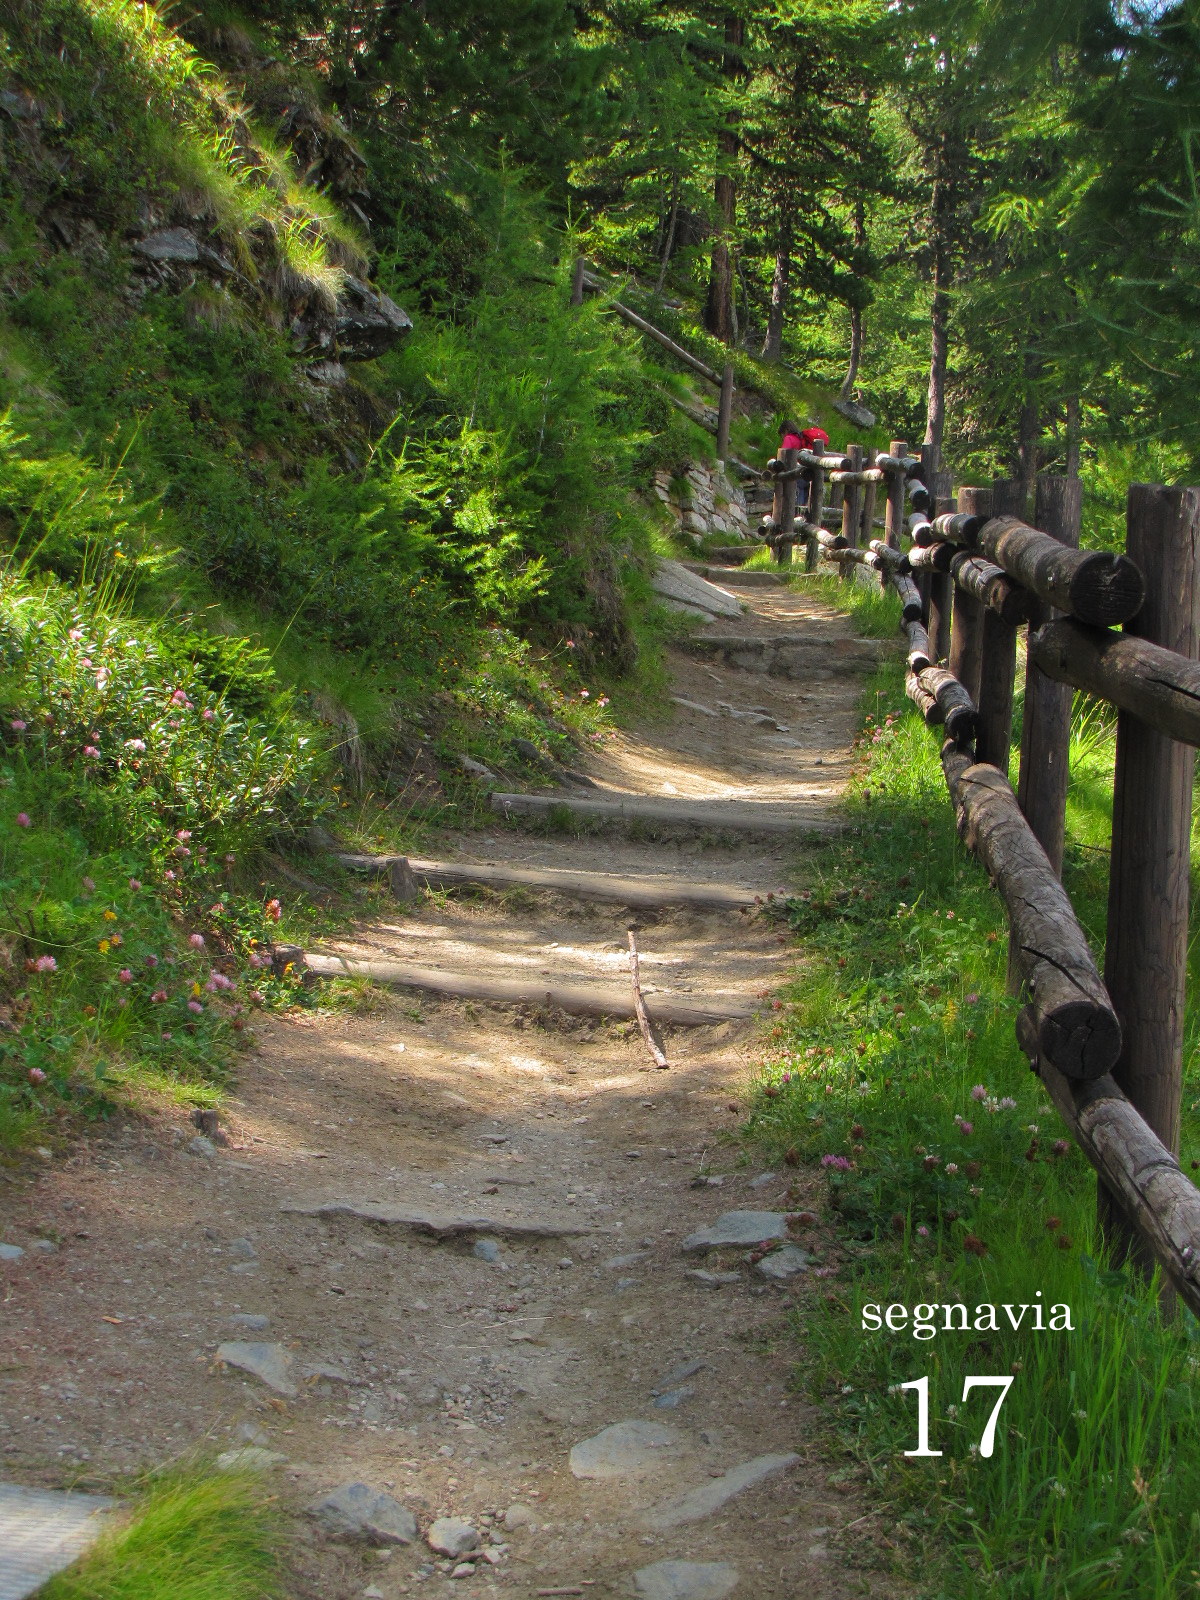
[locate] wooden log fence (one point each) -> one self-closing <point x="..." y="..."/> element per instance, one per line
<point x="1123" y="628"/>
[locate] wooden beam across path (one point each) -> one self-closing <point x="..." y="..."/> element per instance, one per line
<point x="647" y="893"/>
<point x="718" y="815"/>
<point x="578" y="999"/>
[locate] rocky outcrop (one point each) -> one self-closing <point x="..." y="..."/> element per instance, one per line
<point x="702" y="501"/>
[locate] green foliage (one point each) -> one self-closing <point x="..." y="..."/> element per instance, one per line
<point x="194" y="1536"/>
<point x="895" y="1073"/>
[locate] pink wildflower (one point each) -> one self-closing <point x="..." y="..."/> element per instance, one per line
<point x="182" y="851"/>
<point x="972" y="999"/>
<point x="151" y="961"/>
<point x="208" y="715"/>
<point x="36" y="1075"/>
<point x="979" y="1092"/>
<point x="169" y="876"/>
<point x="179" y="698"/>
<point x="75" y="633"/>
<point x="196" y="940"/>
<point x="167" y="1035"/>
<point x="125" y="975"/>
<point x="22" y="819"/>
<point x="256" y="961"/>
<point x="274" y="910"/>
<point x="965" y="1127"/>
<point x="159" y="996"/>
<point x="89" y="884"/>
<point x="135" y="884"/>
<point x="923" y="1231"/>
<point x="90" y="751"/>
<point x="135" y="744"/>
<point x="194" y="1005"/>
<point x="183" y="835"/>
<point x="45" y="964"/>
<point x="836" y="1163"/>
<point x="1008" y="1103"/>
<point x="217" y="982"/>
<point x="17" y="725"/>
<point x="230" y="859"/>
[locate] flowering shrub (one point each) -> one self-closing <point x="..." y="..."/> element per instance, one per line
<point x="144" y="749"/>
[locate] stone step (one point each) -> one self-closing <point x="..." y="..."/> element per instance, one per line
<point x="715" y="815"/>
<point x="802" y="655"/>
<point x="735" y="577"/>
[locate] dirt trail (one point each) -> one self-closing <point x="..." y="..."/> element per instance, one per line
<point x="460" y="1384"/>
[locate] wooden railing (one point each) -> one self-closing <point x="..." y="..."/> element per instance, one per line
<point x="969" y="575"/>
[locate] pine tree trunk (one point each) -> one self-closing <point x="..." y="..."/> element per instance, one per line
<point x="1027" y="444"/>
<point x="773" y="343"/>
<point x="719" y="312"/>
<point x="856" y="340"/>
<point x="938" y="356"/>
<point x="1073" y="436"/>
<point x="669" y="245"/>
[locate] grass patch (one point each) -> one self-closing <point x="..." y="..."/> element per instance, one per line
<point x="193" y="1537"/>
<point x="949" y="1179"/>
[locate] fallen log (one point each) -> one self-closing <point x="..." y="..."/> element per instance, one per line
<point x="664" y="339"/>
<point x="1095" y="586"/>
<point x="1135" y="1166"/>
<point x="992" y="587"/>
<point x="1159" y="687"/>
<point x="1076" y="1026"/>
<point x="958" y="710"/>
<point x="639" y="1004"/>
<point x="579" y="999"/>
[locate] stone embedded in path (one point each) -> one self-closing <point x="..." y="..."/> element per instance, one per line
<point x="440" y="1225"/>
<point x="739" y="1228"/>
<point x="677" y="1374"/>
<point x="686" y="1580"/>
<point x="785" y="1262"/>
<point x="709" y="1497"/>
<point x="254" y="1321"/>
<point x="487" y="1250"/>
<point x="356" y="1511"/>
<point x="41" y="1532"/>
<point x="11" y="1252"/>
<point x="452" y="1536"/>
<point x="712" y="1280"/>
<point x="624" y="1450"/>
<point x="518" y="1516"/>
<point x="249" y="1458"/>
<point x="272" y="1364"/>
<point x="670" y="1399"/>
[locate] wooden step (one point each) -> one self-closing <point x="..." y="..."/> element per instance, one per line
<point x="645" y="892"/>
<point x="579" y="999"/>
<point x="719" y="816"/>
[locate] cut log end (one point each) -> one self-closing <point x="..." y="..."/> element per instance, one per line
<point x="1081" y="1039"/>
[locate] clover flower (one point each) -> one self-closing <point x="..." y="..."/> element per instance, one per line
<point x="23" y="819"/>
<point x="17" y="725"/>
<point x="36" y="1075"/>
<point x="135" y="744"/>
<point x="91" y="752"/>
<point x="45" y="964"/>
<point x="196" y="940"/>
<point x="159" y="996"/>
<point x="194" y="1005"/>
<point x="979" y="1092"/>
<point x="836" y="1163"/>
<point x="135" y="884"/>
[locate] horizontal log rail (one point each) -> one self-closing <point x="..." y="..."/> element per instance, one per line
<point x="1159" y="687"/>
<point x="1076" y="1026"/>
<point x="1095" y="586"/>
<point x="991" y="586"/>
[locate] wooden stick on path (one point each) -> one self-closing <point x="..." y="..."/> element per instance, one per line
<point x="660" y="1060"/>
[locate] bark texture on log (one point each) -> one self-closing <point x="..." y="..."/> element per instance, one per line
<point x="957" y="708"/>
<point x="1093" y="585"/>
<point x="894" y="516"/>
<point x="1077" y="1027"/>
<point x="997" y="675"/>
<point x="1046" y="720"/>
<point x="924" y="700"/>
<point x="912" y="608"/>
<point x="935" y="556"/>
<point x="1133" y="1164"/>
<point x="992" y="587"/>
<point x="1156" y="686"/>
<point x="920" y="653"/>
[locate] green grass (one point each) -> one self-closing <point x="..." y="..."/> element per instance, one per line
<point x="192" y="1537"/>
<point x="894" y="1075"/>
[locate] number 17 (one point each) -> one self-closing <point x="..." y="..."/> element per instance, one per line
<point x="988" y="1443"/>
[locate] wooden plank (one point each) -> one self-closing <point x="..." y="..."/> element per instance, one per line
<point x="1146" y="950"/>
<point x="736" y="816"/>
<point x="1046" y="719"/>
<point x="579" y="999"/>
<point x="1076" y="1024"/>
<point x="642" y="892"/>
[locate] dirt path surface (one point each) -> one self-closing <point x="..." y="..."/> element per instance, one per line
<point x="454" y="1240"/>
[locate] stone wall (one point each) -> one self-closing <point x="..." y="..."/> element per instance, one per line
<point x="702" y="501"/>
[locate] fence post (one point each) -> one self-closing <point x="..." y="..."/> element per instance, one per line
<point x="866" y="519"/>
<point x="725" y="412"/>
<point x="577" y="281"/>
<point x="895" y="496"/>
<point x="1046" y="722"/>
<point x="783" y="509"/>
<point x="941" y="584"/>
<point x="852" y="508"/>
<point x="998" y="661"/>
<point x="1145" y="966"/>
<point x="966" y="631"/>
<point x="816" y="504"/>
